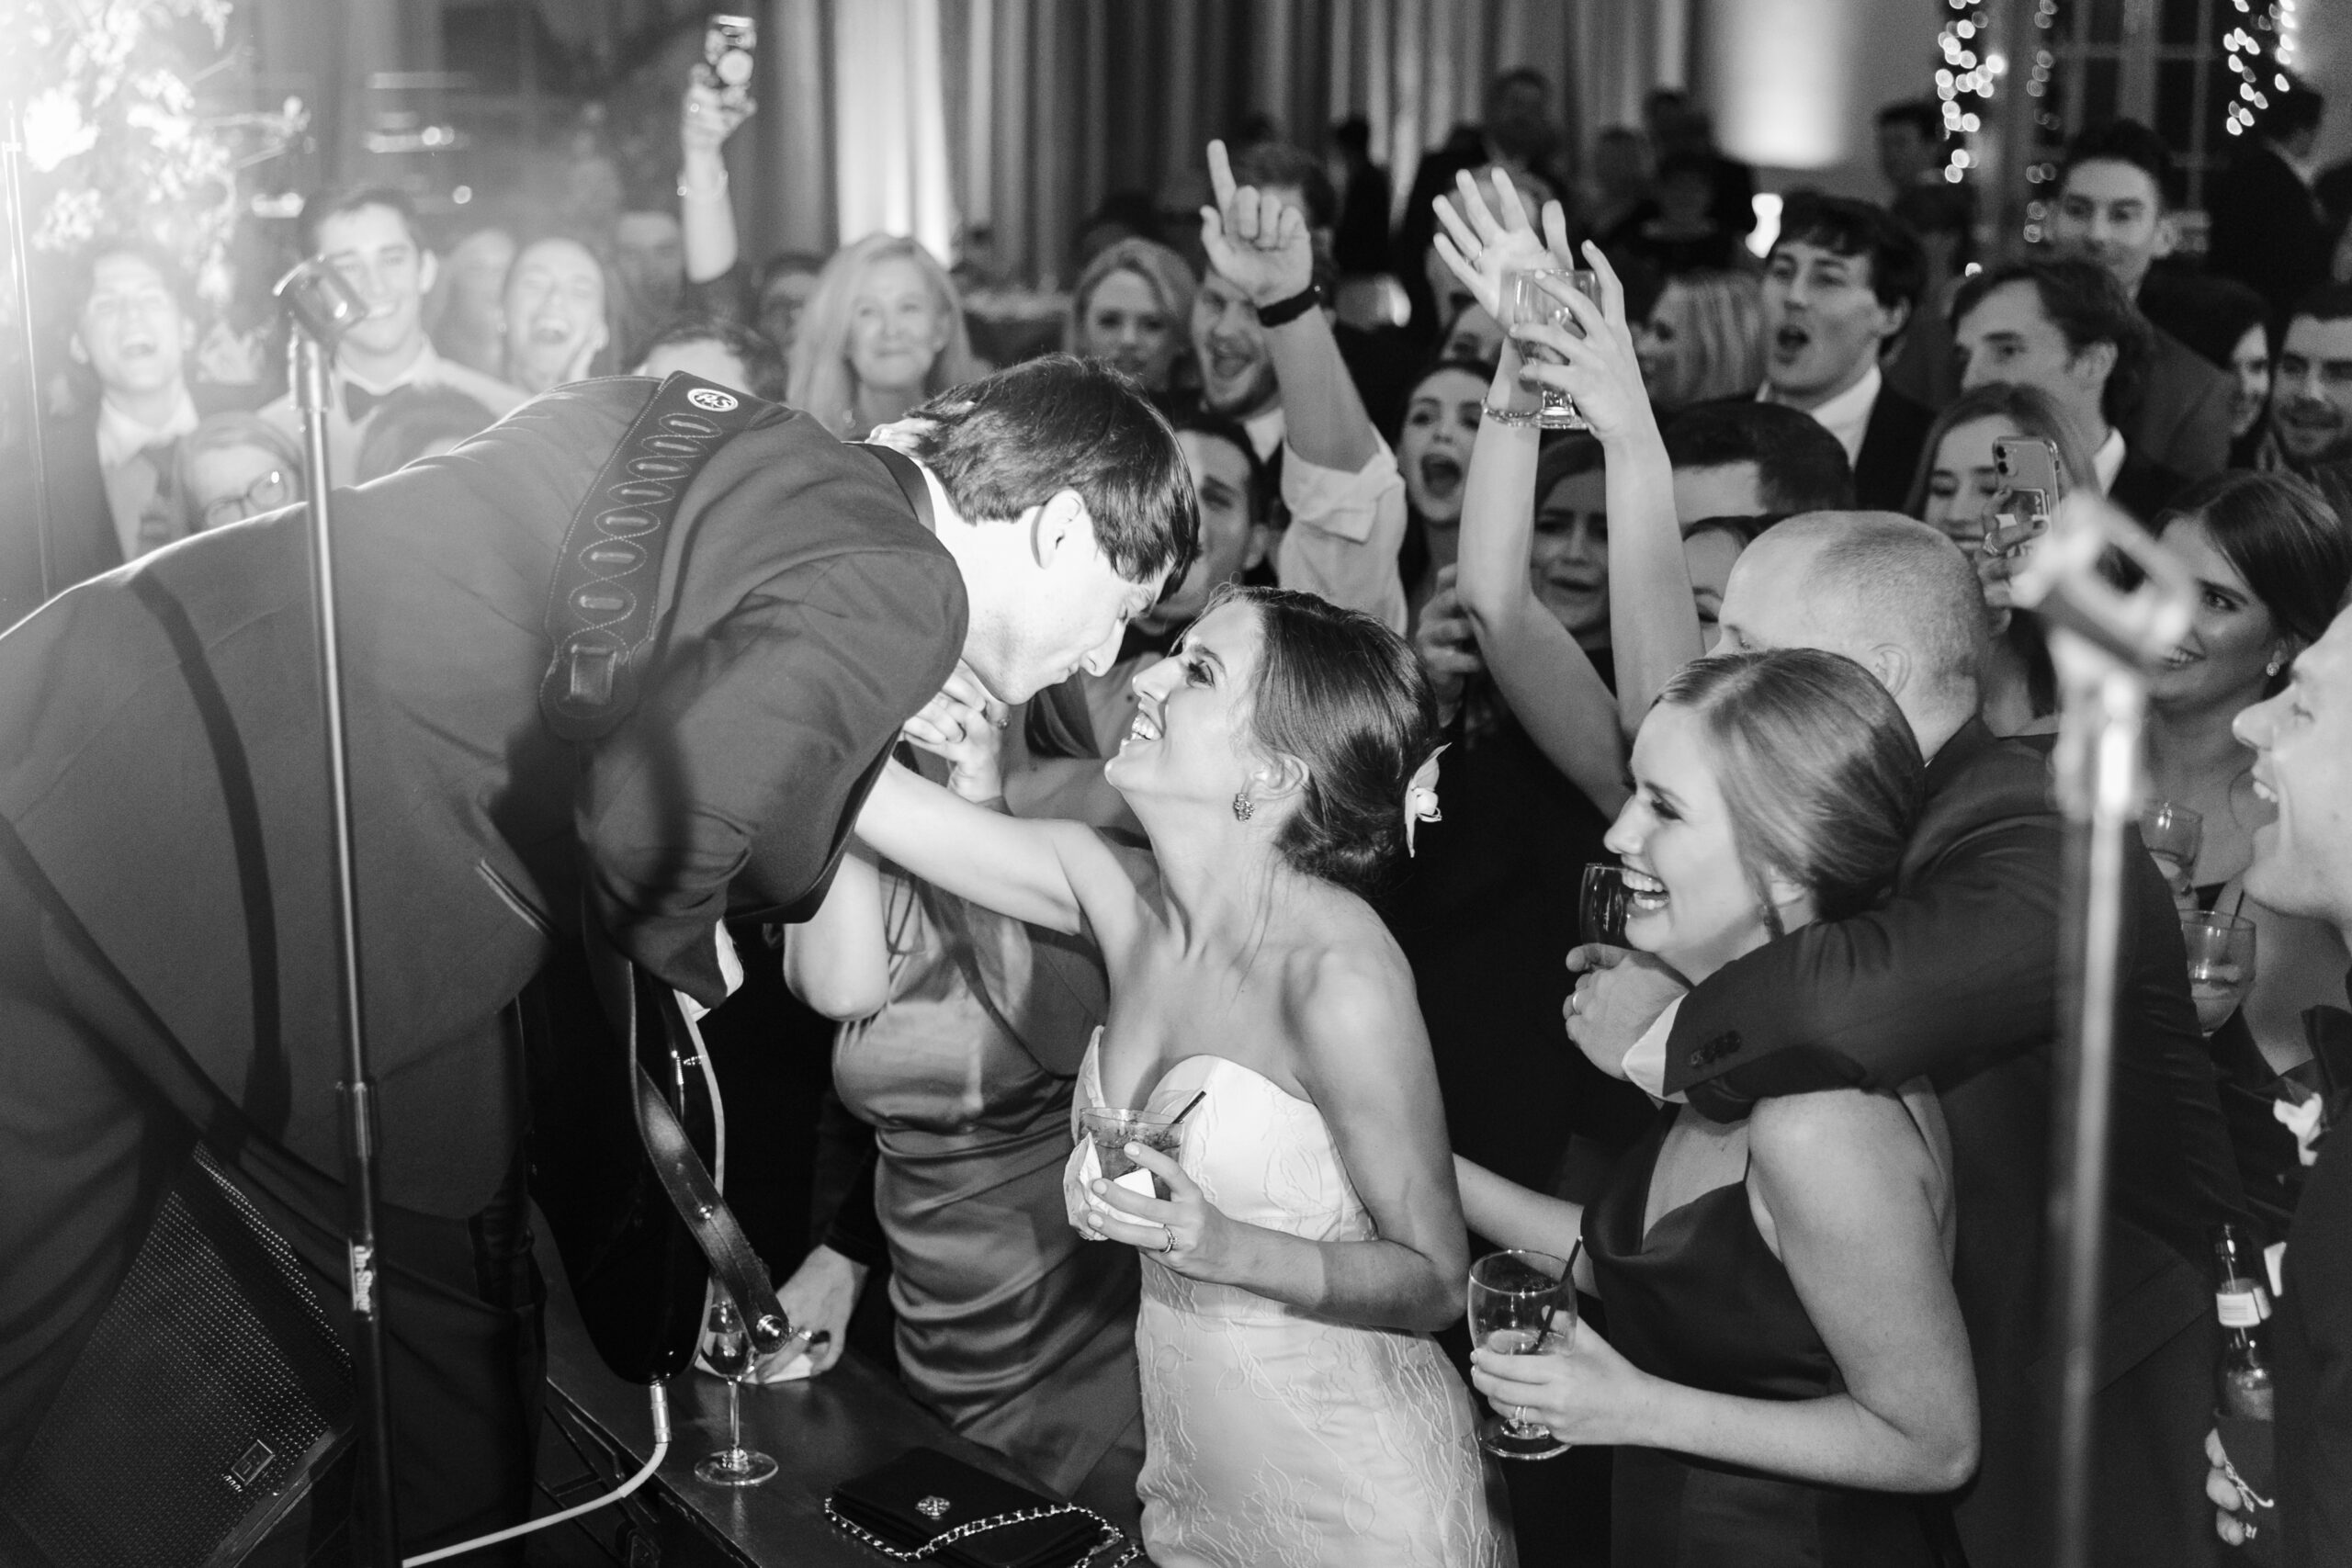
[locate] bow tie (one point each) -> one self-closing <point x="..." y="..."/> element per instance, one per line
<point x="358" y="403"/>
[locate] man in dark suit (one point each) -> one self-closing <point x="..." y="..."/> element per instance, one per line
<point x="2311" y="395"/>
<point x="165" y="902"/>
<point x="1839" y="287"/>
<point x="2267" y="228"/>
<point x="2067" y="328"/>
<point x="2114" y="192"/>
<point x="1956" y="978"/>
<point x="2302" y="865"/>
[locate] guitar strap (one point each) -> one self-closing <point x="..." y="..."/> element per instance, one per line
<point x="604" y="612"/>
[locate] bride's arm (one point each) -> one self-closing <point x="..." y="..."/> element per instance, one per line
<point x="1852" y="1193"/>
<point x="1061" y="875"/>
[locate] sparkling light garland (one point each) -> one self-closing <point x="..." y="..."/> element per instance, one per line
<point x="2259" y="65"/>
<point x="1966" y="79"/>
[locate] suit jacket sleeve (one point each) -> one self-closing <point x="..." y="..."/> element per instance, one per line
<point x="1959" y="968"/>
<point x="745" y="762"/>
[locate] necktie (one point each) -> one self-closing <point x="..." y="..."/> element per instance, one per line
<point x="358" y="403"/>
<point x="160" y="517"/>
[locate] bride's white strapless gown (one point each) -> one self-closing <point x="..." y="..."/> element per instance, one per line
<point x="1272" y="1436"/>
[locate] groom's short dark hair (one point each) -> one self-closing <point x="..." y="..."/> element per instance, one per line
<point x="1011" y="441"/>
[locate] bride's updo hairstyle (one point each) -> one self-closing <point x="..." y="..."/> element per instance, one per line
<point x="1819" y="771"/>
<point x="1344" y="695"/>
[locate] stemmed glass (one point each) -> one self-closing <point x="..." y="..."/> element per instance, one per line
<point x="2221" y="963"/>
<point x="1534" y="301"/>
<point x="1521" y="1303"/>
<point x="2173" y="834"/>
<point x="728" y="1351"/>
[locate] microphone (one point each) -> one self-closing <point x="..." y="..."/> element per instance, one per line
<point x="322" y="303"/>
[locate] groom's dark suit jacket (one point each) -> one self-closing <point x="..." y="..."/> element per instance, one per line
<point x="163" y="771"/>
<point x="1956" y="978"/>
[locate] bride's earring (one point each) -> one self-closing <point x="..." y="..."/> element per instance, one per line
<point x="1243" y="805"/>
<point x="2278" y="662"/>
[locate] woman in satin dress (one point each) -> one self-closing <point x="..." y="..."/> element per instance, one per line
<point x="1296" y="1411"/>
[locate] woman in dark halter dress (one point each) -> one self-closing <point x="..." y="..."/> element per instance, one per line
<point x="1787" y="1367"/>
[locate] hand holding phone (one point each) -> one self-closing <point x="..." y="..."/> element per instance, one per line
<point x="724" y="73"/>
<point x="2031" y="486"/>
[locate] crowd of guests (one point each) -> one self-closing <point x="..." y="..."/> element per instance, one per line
<point x="1743" y="634"/>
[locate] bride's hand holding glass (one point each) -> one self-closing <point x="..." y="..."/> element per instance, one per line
<point x="1598" y="367"/>
<point x="1183" y="1230"/>
<point x="1585" y="1393"/>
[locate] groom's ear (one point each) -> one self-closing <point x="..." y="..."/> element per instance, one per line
<point x="1060" y="524"/>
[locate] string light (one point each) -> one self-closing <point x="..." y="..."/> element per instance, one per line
<point x="1965" y="81"/>
<point x="2260" y="67"/>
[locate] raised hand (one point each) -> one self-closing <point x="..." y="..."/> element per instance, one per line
<point x="706" y="120"/>
<point x="966" y="725"/>
<point x="1447" y="642"/>
<point x="1255" y="240"/>
<point x="1484" y="247"/>
<point x="1600" y="370"/>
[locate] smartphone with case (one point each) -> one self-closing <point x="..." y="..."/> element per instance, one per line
<point x="2028" y="467"/>
<point x="729" y="44"/>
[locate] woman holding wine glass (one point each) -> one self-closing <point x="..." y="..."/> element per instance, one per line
<point x="1788" y="1359"/>
<point x="2272" y="561"/>
<point x="1295" y="1409"/>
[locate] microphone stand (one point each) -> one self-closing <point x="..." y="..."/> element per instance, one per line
<point x="321" y="306"/>
<point x="12" y="156"/>
<point x="2104" y="641"/>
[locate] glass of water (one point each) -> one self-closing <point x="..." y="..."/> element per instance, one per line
<point x="1535" y="299"/>
<point x="1521" y="1303"/>
<point x="2221" y="963"/>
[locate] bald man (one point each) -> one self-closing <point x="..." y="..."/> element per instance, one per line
<point x="1955" y="979"/>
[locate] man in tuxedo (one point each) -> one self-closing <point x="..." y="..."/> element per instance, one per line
<point x="165" y="891"/>
<point x="113" y="463"/>
<point x="2268" y="231"/>
<point x="2114" y="192"/>
<point x="371" y="238"/>
<point x="1839" y="287"/>
<point x="1956" y="978"/>
<point x="2302" y="740"/>
<point x="2068" y="328"/>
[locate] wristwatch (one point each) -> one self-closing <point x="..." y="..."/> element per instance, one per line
<point x="1283" y="311"/>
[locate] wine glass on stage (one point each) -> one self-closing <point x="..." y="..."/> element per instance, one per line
<point x="728" y="1351"/>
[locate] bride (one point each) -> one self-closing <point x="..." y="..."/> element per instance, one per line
<point x="1295" y="1410"/>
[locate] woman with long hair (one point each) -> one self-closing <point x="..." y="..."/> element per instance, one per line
<point x="1310" y="1240"/>
<point x="1703" y="339"/>
<point x="1787" y="1377"/>
<point x="1957" y="491"/>
<point x="882" y="333"/>
<point x="1133" y="309"/>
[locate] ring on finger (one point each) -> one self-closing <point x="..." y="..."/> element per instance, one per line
<point x="1168" y="1245"/>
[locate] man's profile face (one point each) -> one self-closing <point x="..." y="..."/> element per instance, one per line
<point x="2111" y="212"/>
<point x="2302" y="762"/>
<point x="131" y="331"/>
<point x="373" y="250"/>
<point x="1237" y="373"/>
<point x="1823" y="325"/>
<point x="2311" y="395"/>
<point x="1725" y="490"/>
<point x="1051" y="610"/>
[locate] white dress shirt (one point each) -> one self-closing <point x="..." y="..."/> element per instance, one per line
<point x="1846" y="416"/>
<point x="2108" y="461"/>
<point x="427" y="369"/>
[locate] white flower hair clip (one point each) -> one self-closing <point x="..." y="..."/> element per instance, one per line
<point x="1421" y="798"/>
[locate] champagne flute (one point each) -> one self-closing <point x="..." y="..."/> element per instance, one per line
<point x="1601" y="905"/>
<point x="1534" y="300"/>
<point x="1521" y="1303"/>
<point x="2173" y="834"/>
<point x="2221" y="963"/>
<point x="728" y="1351"/>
